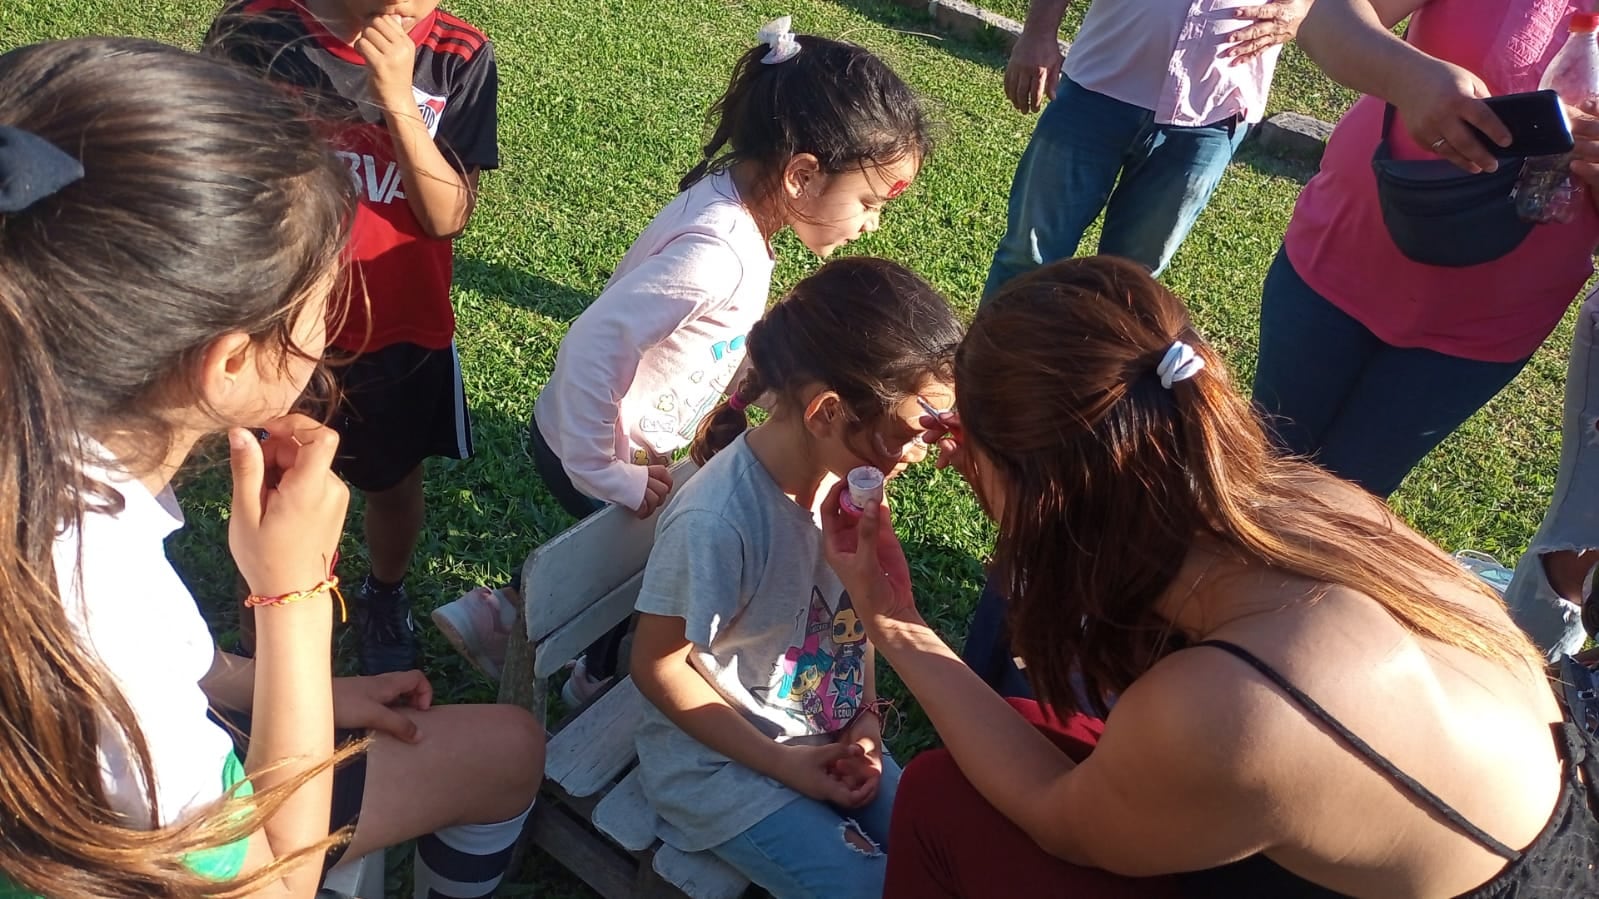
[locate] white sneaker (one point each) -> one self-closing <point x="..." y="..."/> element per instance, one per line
<point x="580" y="688"/>
<point x="1487" y="568"/>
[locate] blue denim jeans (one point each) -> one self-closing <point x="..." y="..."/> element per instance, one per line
<point x="1364" y="410"/>
<point x="1572" y="522"/>
<point x="1084" y="143"/>
<point x="801" y="850"/>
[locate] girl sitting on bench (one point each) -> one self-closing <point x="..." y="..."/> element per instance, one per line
<point x="763" y="745"/>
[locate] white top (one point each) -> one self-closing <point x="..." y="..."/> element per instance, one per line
<point x="1165" y="56"/>
<point x="659" y="346"/>
<point x="131" y="610"/>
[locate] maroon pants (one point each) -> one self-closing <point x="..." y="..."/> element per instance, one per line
<point x="948" y="841"/>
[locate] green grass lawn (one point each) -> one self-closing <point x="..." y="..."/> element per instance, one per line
<point x="600" y="113"/>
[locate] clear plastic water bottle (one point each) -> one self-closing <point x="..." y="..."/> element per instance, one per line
<point x="1547" y="192"/>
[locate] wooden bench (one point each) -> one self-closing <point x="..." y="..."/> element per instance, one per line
<point x="355" y="878"/>
<point x="592" y="816"/>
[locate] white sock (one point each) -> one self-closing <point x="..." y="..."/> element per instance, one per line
<point x="465" y="862"/>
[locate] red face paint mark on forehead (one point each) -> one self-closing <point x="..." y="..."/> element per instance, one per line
<point x="897" y="189"/>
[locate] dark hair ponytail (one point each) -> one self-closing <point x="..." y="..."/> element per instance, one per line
<point x="833" y="100"/>
<point x="728" y="420"/>
<point x="870" y="330"/>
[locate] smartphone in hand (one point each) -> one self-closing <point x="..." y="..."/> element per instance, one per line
<point x="1537" y="122"/>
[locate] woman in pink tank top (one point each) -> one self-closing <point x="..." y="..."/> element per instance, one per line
<point x="1368" y="359"/>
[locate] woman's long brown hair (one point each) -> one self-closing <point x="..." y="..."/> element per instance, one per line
<point x="1109" y="478"/>
<point x="208" y="206"/>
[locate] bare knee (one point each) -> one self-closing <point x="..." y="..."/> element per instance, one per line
<point x="505" y="748"/>
<point x="1567" y="571"/>
<point x="519" y="741"/>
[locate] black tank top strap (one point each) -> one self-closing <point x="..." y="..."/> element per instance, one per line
<point x="1365" y="751"/>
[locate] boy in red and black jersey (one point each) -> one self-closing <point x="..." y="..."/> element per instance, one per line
<point x="411" y="90"/>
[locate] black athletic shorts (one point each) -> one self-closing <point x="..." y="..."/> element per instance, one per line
<point x="349" y="778"/>
<point x="401" y="404"/>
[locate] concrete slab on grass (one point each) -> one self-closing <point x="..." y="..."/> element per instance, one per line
<point x="968" y="21"/>
<point x="1290" y="135"/>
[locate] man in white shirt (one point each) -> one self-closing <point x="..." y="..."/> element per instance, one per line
<point x="1155" y="98"/>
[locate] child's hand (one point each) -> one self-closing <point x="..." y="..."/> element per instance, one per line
<point x="809" y="770"/>
<point x="864" y="772"/>
<point x="655" y="490"/>
<point x="373" y="703"/>
<point x="390" y="63"/>
<point x="288" y="505"/>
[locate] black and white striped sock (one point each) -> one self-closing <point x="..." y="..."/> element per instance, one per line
<point x="465" y="862"/>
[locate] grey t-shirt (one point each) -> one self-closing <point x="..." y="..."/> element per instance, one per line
<point x="772" y="629"/>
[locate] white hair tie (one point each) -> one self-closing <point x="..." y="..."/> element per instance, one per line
<point x="1179" y="364"/>
<point x="778" y="35"/>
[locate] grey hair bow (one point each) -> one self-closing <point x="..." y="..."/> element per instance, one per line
<point x="31" y="168"/>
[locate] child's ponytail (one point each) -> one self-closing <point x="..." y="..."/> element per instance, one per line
<point x="724" y="112"/>
<point x="831" y="99"/>
<point x="727" y="420"/>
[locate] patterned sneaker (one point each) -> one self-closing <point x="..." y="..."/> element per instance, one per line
<point x="388" y="637"/>
<point x="479" y="624"/>
<point x="1486" y="567"/>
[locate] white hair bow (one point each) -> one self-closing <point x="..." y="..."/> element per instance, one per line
<point x="1179" y="364"/>
<point x="779" y="36"/>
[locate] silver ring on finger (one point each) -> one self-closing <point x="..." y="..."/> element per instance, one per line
<point x="1440" y="143"/>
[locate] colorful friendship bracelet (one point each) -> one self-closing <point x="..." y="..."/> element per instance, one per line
<point x="331" y="585"/>
<point x="881" y="708"/>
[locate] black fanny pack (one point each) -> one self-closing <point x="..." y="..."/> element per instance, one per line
<point x="1439" y="214"/>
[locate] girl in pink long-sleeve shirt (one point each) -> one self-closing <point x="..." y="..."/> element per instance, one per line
<point x="812" y="134"/>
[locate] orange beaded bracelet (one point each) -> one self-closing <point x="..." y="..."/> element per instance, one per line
<point x="331" y="585"/>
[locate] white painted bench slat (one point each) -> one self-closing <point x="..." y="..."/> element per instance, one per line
<point x="569" y="640"/>
<point x="597" y="746"/>
<point x="578" y="586"/>
<point x="590" y="559"/>
<point x="360" y="878"/>
<point x="699" y="875"/>
<point x="625" y="815"/>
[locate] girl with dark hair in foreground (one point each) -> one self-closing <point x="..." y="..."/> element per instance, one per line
<point x="170" y="236"/>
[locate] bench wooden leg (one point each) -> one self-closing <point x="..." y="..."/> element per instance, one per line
<point x="606" y="869"/>
<point x="518" y="687"/>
